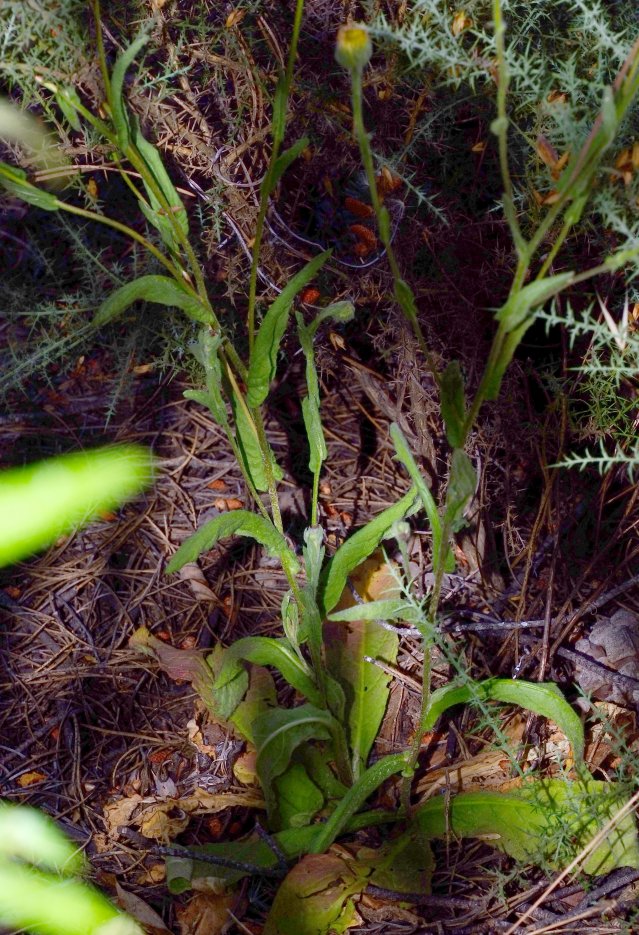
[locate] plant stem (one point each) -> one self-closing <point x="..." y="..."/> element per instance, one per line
<point x="267" y="184"/>
<point x="383" y="221"/>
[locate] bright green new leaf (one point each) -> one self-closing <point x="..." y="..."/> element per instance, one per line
<point x="236" y="523"/>
<point x="278" y="734"/>
<point x="461" y="487"/>
<point x="250" y="449"/>
<point x="543" y="698"/>
<point x="266" y="651"/>
<point x="298" y="798"/>
<point x="545" y="821"/>
<point x="453" y="403"/>
<point x="360" y="545"/>
<point x="41" y="501"/>
<point x="29" y="835"/>
<point x="263" y="362"/>
<point x="14" y="180"/>
<point x="162" y="290"/>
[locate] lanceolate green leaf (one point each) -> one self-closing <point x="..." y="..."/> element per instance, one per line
<point x="318" y="451"/>
<point x="364" y="787"/>
<point x="267" y="341"/>
<point x="521" y="304"/>
<point x="394" y="608"/>
<point x="405" y="455"/>
<point x="261" y="695"/>
<point x="68" y="100"/>
<point x="157" y="214"/>
<point x="280" y="102"/>
<point x="277" y="735"/>
<point x="285" y="159"/>
<point x="266" y="651"/>
<point x="461" y="487"/>
<point x="453" y="403"/>
<point x="349" y="646"/>
<point x="360" y="545"/>
<point x="311" y="403"/>
<point x="543" y="698"/>
<point x="119" y="114"/>
<point x="548" y="821"/>
<point x="250" y="448"/>
<point x="237" y="523"/>
<point x="161" y="290"/>
<point x="205" y="352"/>
<point x="15" y="181"/>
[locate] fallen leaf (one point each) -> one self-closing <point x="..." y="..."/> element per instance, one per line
<point x="204" y="801"/>
<point x="118" y="814"/>
<point x="156" y="873"/>
<point x="30" y="779"/>
<point x="163" y="821"/>
<point x="206" y="914"/>
<point x="192" y="573"/>
<point x="140" y="911"/>
<point x="245" y="768"/>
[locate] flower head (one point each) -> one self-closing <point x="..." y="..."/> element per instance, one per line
<point x="354" y="47"/>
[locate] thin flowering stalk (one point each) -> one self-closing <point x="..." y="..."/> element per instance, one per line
<point x="353" y="51"/>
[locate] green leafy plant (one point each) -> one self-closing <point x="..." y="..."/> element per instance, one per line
<point x="312" y="759"/>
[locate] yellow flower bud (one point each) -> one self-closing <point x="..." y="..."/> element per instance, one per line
<point x="354" y="47"/>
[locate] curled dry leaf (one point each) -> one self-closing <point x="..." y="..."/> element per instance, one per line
<point x="192" y="573"/>
<point x="206" y="914"/>
<point x="614" y="642"/>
